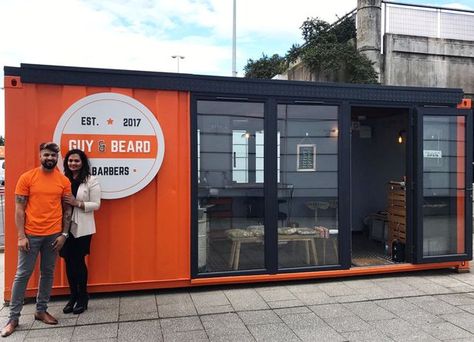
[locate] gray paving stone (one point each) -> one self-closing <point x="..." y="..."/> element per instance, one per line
<point x="331" y="310"/>
<point x="303" y="321"/>
<point x="438" y="307"/>
<point x="209" y="298"/>
<point x="419" y="336"/>
<point x="276" y="294"/>
<point x="303" y="288"/>
<point x="457" y="299"/>
<point x="65" y="322"/>
<point x="292" y="310"/>
<point x="313" y="298"/>
<point x="204" y="310"/>
<point x="347" y="323"/>
<point x="93" y="316"/>
<point x="467" y="308"/>
<point x="136" y="304"/>
<point x="369" y="311"/>
<point x="335" y="289"/>
<point x="420" y="317"/>
<point x="98" y="331"/>
<point x="138" y="316"/>
<point x="273" y="332"/>
<point x="173" y="298"/>
<point x="259" y="317"/>
<point x="350" y="298"/>
<point x="26" y="322"/>
<point x="223" y="324"/>
<point x="395" y="327"/>
<point x="246" y="299"/>
<point x="433" y="289"/>
<point x="371" y="335"/>
<point x="319" y="334"/>
<point x="285" y="303"/>
<point x="446" y="330"/>
<point x="176" y="310"/>
<point x="140" y="331"/>
<point x="359" y="283"/>
<point x="188" y="336"/>
<point x="242" y="337"/>
<point x="463" y="320"/>
<point x="47" y="339"/>
<point x="182" y="324"/>
<point x="17" y="336"/>
<point x="398" y="305"/>
<point x="102" y="303"/>
<point x="52" y="334"/>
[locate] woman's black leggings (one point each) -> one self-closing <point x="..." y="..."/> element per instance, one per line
<point x="76" y="270"/>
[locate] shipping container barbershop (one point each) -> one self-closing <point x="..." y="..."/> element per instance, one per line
<point x="218" y="180"/>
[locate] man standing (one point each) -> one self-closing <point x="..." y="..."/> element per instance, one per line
<point x="42" y="221"/>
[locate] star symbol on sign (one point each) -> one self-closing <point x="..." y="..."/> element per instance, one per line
<point x="110" y="121"/>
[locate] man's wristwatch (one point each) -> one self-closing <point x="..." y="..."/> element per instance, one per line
<point x="65" y="235"/>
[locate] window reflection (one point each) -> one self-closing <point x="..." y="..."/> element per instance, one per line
<point x="308" y="191"/>
<point x="443" y="185"/>
<point x="230" y="190"/>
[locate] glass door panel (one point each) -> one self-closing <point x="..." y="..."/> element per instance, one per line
<point x="307" y="185"/>
<point x="230" y="186"/>
<point x="444" y="185"/>
<point x="443" y="212"/>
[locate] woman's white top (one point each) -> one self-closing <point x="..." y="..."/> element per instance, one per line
<point x="83" y="222"/>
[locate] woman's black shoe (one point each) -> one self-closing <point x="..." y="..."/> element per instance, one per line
<point x="69" y="306"/>
<point x="80" y="306"/>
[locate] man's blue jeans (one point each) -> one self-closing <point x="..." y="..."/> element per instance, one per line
<point x="26" y="264"/>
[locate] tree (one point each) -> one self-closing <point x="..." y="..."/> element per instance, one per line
<point x="331" y="51"/>
<point x="328" y="50"/>
<point x="265" y="67"/>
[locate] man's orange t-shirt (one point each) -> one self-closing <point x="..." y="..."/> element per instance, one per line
<point x="44" y="207"/>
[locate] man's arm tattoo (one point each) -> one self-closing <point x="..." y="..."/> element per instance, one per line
<point x="67" y="217"/>
<point x="21" y="199"/>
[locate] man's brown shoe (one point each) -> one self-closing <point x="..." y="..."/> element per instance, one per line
<point x="9" y="328"/>
<point x="45" y="317"/>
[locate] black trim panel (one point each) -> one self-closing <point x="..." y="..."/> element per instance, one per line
<point x="62" y="75"/>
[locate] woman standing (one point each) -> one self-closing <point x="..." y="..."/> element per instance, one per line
<point x="86" y="199"/>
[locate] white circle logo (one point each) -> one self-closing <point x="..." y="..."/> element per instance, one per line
<point x="121" y="137"/>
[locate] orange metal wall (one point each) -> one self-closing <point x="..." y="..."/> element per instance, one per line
<point x="142" y="241"/>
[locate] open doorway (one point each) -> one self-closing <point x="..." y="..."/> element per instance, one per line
<point x="378" y="174"/>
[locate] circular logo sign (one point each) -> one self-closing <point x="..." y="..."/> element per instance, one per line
<point x="122" y="138"/>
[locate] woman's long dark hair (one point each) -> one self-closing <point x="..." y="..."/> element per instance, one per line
<point x="85" y="171"/>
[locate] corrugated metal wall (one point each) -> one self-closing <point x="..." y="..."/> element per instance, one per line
<point x="143" y="240"/>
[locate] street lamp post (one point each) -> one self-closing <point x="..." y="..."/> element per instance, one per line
<point x="177" y="57"/>
<point x="234" y="38"/>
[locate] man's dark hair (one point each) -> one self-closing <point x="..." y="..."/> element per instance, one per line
<point x="85" y="171"/>
<point x="51" y="146"/>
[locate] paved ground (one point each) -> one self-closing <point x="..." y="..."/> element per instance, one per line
<point x="428" y="306"/>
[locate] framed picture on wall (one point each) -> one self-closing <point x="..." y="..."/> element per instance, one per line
<point x="306" y="157"/>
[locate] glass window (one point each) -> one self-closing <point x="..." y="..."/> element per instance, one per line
<point x="308" y="187"/>
<point x="230" y="190"/>
<point x="444" y="185"/>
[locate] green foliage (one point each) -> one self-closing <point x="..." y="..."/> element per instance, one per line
<point x="265" y="67"/>
<point x="331" y="51"/>
<point x="328" y="50"/>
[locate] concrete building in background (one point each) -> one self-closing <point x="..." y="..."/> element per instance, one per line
<point x="412" y="45"/>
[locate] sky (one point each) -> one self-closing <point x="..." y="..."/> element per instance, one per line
<point x="144" y="34"/>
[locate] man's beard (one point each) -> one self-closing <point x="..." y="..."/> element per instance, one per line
<point x="49" y="164"/>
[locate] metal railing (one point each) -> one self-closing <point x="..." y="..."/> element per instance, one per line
<point x="427" y="21"/>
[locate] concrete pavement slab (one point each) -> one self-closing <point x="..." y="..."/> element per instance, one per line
<point x="246" y="299"/>
<point x="92" y="332"/>
<point x="273" y="332"/>
<point x="140" y="331"/>
<point x="446" y="331"/>
<point x="259" y="317"/>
